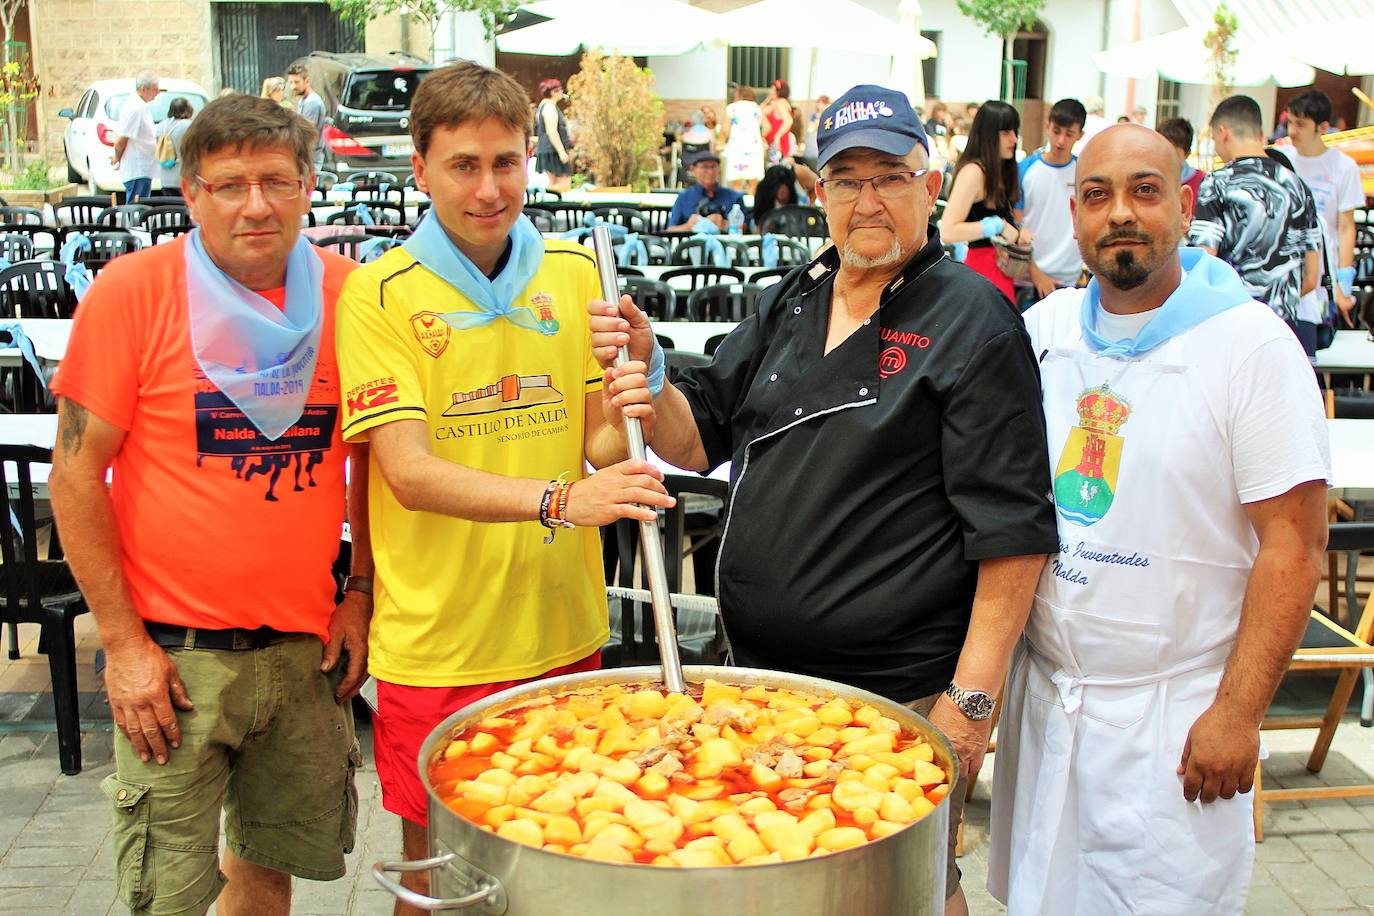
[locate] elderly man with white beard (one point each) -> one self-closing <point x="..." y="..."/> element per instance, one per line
<point x="889" y="511"/>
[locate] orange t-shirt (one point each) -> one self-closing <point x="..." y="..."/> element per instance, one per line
<point x="218" y="526"/>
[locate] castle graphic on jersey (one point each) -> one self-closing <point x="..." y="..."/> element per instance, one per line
<point x="1085" y="479"/>
<point x="510" y="392"/>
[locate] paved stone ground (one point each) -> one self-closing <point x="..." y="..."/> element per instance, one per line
<point x="1318" y="858"/>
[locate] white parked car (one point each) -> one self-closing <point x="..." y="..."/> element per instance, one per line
<point x="90" y="137"/>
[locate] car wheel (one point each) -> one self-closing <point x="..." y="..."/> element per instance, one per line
<point x="72" y="174"/>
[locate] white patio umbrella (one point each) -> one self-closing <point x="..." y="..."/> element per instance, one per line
<point x="641" y="28"/>
<point x="1181" y="56"/>
<point x="1345" y="47"/>
<point x="840" y="25"/>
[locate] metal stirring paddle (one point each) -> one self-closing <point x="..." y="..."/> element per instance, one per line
<point x="649" y="541"/>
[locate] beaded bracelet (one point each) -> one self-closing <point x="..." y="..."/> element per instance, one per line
<point x="554" y="507"/>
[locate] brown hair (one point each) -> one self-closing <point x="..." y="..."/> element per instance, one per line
<point x="743" y="92"/>
<point x="247" y="121"/>
<point x="463" y="92"/>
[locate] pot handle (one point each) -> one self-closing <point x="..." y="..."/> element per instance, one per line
<point x="489" y="893"/>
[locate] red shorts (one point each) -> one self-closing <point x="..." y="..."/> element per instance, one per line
<point x="405" y="717"/>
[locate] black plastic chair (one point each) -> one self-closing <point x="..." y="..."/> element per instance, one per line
<point x="61" y="235"/>
<point x="623" y="215"/>
<point x="324" y="180"/>
<point x="15" y="247"/>
<point x="81" y="209"/>
<point x="124" y="216"/>
<point x="153" y="203"/>
<point x="40" y="591"/>
<point x="565" y="216"/>
<point x="655" y="298"/>
<point x="30" y="216"/>
<point x="374" y="179"/>
<point x="35" y="289"/>
<point x="628" y="271"/>
<point x="166" y="217"/>
<point x="656" y="218"/>
<point x="798" y="222"/>
<point x="697" y="277"/>
<point x="697" y="252"/>
<point x="769" y="275"/>
<point x="168" y="232"/>
<point x="543" y="220"/>
<point x="674" y="361"/>
<point x="723" y="302"/>
<point x="420" y="210"/>
<point x="655" y="249"/>
<point x="791" y="253"/>
<point x="105" y="247"/>
<point x="351" y="244"/>
<point x="537" y="195"/>
<point x="383" y="213"/>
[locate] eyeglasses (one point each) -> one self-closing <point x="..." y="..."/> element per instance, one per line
<point x="890" y="185"/>
<point x="236" y="192"/>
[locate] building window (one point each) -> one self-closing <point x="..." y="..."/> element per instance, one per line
<point x="756" y="67"/>
<point x="929" y="72"/>
<point x="1167" y="103"/>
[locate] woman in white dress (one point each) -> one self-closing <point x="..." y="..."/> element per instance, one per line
<point x="743" y="136"/>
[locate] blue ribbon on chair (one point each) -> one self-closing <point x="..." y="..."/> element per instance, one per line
<point x="768" y="250"/>
<point x="364" y="214"/>
<point x="77" y="274"/>
<point x="21" y="340"/>
<point x="633" y="251"/>
<point x="77" y="241"/>
<point x="618" y="233"/>
<point x="346" y="186"/>
<point x="375" y="247"/>
<point x="706" y="230"/>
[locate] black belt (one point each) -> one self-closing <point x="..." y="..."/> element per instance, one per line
<point x="171" y="636"/>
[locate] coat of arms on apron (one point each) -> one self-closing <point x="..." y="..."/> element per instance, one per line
<point x="1085" y="480"/>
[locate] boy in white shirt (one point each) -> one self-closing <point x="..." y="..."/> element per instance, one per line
<point x="1047" y="179"/>
<point x="1334" y="179"/>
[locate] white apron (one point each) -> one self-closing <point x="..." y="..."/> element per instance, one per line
<point x="1132" y="623"/>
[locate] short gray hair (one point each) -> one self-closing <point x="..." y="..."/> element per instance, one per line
<point x="145" y="80"/>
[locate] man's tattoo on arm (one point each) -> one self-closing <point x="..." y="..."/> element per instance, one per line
<point x="73" y="427"/>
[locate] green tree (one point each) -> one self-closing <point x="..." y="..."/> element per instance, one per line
<point x="493" y="13"/>
<point x="1221" y="52"/>
<point x="1003" y="18"/>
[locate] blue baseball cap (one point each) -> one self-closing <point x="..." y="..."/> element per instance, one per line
<point x="869" y="117"/>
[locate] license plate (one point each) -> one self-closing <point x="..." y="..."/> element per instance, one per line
<point x="396" y="150"/>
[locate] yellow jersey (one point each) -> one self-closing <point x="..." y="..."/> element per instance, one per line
<point x="460" y="602"/>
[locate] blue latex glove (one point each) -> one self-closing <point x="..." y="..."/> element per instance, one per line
<point x="992" y="226"/>
<point x="1345" y="279"/>
<point x="657" y="370"/>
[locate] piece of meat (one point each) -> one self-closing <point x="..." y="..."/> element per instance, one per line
<point x="789" y="765"/>
<point x="668" y="765"/>
<point x="763" y="757"/>
<point x="795" y="799"/>
<point x="833" y="771"/>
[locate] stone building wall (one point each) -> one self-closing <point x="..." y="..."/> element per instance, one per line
<point x="76" y="42"/>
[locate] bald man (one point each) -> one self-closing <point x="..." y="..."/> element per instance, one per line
<point x="1190" y="467"/>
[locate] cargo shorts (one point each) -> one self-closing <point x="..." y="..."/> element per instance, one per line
<point x="267" y="745"/>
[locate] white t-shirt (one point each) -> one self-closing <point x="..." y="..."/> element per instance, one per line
<point x="136" y="124"/>
<point x="1334" y="180"/>
<point x="1112" y="326"/>
<point x="1045" y="193"/>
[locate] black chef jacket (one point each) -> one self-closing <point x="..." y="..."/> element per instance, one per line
<point x="867" y="483"/>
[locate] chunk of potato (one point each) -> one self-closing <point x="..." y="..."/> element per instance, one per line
<point x="784" y="837"/>
<point x="928" y="774"/>
<point x="842" y="838"/>
<point x="624" y="771"/>
<point x="897" y="809"/>
<point x="818" y="821"/>
<point x="851" y="796"/>
<point x="647" y="704"/>
<point x="562" y="830"/>
<point x="836" y="712"/>
<point x="482" y="744"/>
<point x="522" y="831"/>
<point x="727" y="826"/>
<point x="555" y="801"/>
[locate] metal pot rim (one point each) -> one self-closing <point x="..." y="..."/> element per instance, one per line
<point x="695" y="674"/>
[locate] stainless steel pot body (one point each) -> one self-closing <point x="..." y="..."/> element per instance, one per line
<point x="899" y="875"/>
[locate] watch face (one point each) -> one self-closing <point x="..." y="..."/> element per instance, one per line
<point x="979" y="705"/>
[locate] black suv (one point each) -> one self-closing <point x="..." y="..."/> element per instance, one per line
<point x="367" y="109"/>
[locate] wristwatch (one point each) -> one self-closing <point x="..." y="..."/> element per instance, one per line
<point x="975" y="704"/>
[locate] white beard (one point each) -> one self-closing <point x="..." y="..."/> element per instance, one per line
<point x="852" y="258"/>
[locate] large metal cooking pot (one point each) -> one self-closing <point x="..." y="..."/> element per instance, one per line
<point x="898" y="875"/>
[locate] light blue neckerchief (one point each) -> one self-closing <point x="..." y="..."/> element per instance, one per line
<point x="261" y="357"/>
<point x="375" y="247"/>
<point x="432" y="247"/>
<point x="77" y="274"/>
<point x="1210" y="287"/>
